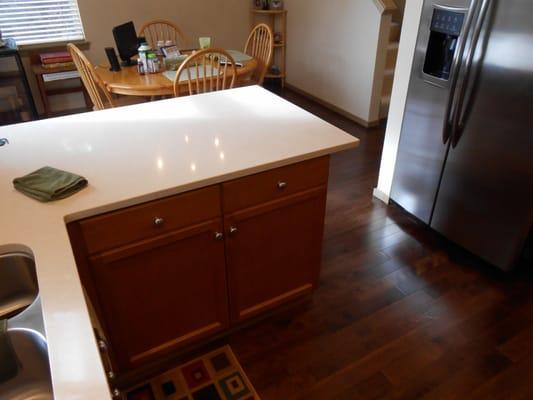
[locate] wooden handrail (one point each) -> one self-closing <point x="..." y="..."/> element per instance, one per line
<point x="385" y="6"/>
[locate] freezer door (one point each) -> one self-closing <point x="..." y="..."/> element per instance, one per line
<point x="485" y="200"/>
<point x="422" y="150"/>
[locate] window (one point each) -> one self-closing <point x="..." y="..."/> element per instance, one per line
<point x="40" y="21"/>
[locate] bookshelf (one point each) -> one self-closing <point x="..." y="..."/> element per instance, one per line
<point x="277" y="19"/>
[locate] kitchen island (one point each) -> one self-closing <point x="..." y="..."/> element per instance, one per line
<point x="134" y="156"/>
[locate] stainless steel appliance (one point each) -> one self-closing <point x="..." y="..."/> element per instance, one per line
<point x="465" y="161"/>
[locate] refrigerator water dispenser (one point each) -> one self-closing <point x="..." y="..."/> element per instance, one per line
<point x="445" y="29"/>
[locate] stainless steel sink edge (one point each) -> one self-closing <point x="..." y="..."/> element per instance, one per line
<point x="31" y="318"/>
<point x="16" y="248"/>
<point x="27" y="336"/>
<point x="18" y="282"/>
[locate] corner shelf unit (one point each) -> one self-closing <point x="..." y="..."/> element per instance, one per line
<point x="277" y="19"/>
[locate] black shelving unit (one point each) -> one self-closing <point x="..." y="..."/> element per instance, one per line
<point x="16" y="101"/>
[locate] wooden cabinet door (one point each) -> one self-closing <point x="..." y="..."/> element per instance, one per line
<point x="273" y="252"/>
<point x="162" y="293"/>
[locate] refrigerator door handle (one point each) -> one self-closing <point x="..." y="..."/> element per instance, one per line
<point x="458" y="116"/>
<point x="451" y="106"/>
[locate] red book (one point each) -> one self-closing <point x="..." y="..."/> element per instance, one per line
<point x="56" y="60"/>
<point x="56" y="54"/>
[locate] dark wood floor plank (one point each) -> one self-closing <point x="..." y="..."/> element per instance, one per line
<point x="375" y="387"/>
<point x="520" y="346"/>
<point x="512" y="384"/>
<point x="474" y="362"/>
<point x="452" y="348"/>
<point x="467" y="375"/>
<point x="320" y="357"/>
<point x="402" y="344"/>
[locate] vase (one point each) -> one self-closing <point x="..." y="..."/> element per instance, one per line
<point x="276" y="4"/>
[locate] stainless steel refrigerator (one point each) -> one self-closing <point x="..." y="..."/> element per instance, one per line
<point x="465" y="160"/>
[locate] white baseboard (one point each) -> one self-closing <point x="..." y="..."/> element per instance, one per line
<point x="378" y="194"/>
<point x="344" y="113"/>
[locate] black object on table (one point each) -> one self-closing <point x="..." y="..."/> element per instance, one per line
<point x="127" y="42"/>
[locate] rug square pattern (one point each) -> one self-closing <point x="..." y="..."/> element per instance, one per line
<point x="234" y="387"/>
<point x="207" y="393"/>
<point x="170" y="386"/>
<point x="214" y="376"/>
<point x="195" y="374"/>
<point x="220" y="362"/>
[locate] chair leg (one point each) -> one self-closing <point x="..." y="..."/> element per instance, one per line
<point x="88" y="102"/>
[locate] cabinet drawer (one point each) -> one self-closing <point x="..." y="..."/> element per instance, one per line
<point x="150" y="219"/>
<point x="274" y="184"/>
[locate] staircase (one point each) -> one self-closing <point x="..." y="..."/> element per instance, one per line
<point x="392" y="54"/>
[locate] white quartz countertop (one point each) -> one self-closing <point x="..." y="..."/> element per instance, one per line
<point x="132" y="155"/>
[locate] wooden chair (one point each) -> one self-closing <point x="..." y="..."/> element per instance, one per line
<point x="207" y="70"/>
<point x="260" y="45"/>
<point x="160" y="29"/>
<point x="98" y="93"/>
<point x="100" y="96"/>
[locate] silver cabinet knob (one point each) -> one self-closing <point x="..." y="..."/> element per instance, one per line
<point x="233" y="230"/>
<point x="158" y="221"/>
<point x="110" y="375"/>
<point x="282" y="185"/>
<point x="115" y="393"/>
<point x="102" y="345"/>
<point x="219" y="236"/>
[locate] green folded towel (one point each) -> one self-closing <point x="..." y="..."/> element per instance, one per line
<point x="8" y="359"/>
<point x="48" y="184"/>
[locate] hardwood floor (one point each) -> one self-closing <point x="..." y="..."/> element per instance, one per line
<point x="400" y="313"/>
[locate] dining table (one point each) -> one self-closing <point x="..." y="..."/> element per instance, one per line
<point x="129" y="82"/>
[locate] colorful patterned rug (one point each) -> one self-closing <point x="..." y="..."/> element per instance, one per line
<point x="214" y="376"/>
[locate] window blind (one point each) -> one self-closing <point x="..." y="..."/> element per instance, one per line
<point x="40" y="21"/>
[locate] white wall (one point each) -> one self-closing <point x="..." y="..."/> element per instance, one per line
<point x="411" y="19"/>
<point x="331" y="51"/>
